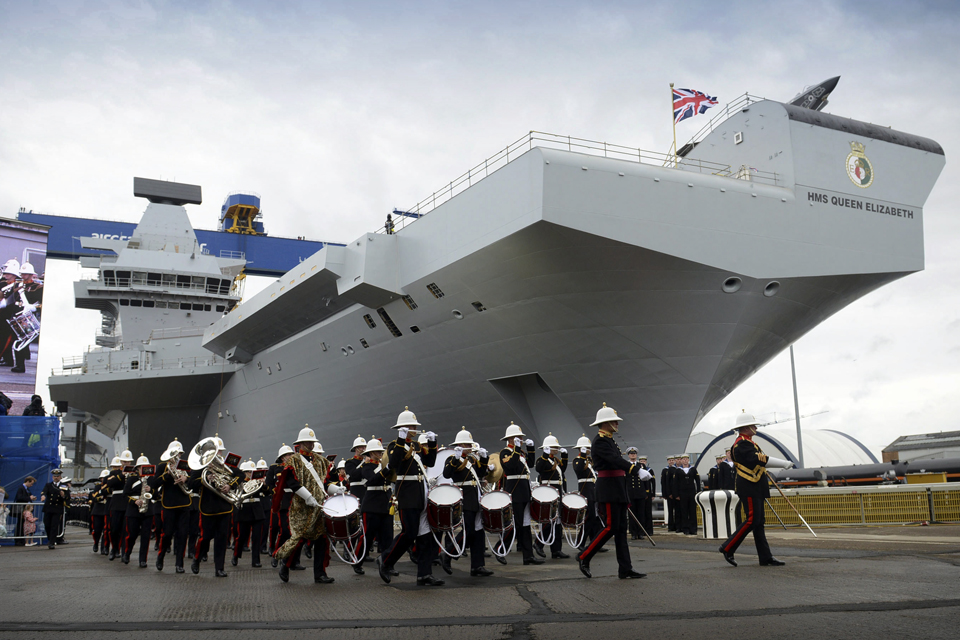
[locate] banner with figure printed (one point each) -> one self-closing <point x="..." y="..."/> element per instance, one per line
<point x="23" y="254"/>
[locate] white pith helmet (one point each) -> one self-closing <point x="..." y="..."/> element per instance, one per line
<point x="26" y="267"/>
<point x="142" y="460"/>
<point x="550" y="442"/>
<point x="116" y="462"/>
<point x="513" y="431"/>
<point x="606" y="414"/>
<point x="173" y="449"/>
<point x="746" y="420"/>
<point x="249" y="465"/>
<point x="104" y="473"/>
<point x="126" y="456"/>
<point x="220" y="445"/>
<point x="406" y="418"/>
<point x="318" y="448"/>
<point x="584" y="441"/>
<point x="306" y="435"/>
<point x="12" y="266"/>
<point x="359" y="442"/>
<point x="262" y="464"/>
<point x="422" y="439"/>
<point x="342" y="464"/>
<point x="464" y="439"/>
<point x="284" y="450"/>
<point x="374" y="446"/>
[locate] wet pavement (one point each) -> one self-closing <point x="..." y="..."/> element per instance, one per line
<point x="847" y="582"/>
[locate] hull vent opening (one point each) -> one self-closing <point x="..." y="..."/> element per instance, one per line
<point x="387" y="320"/>
<point x="409" y="302"/>
<point x="478" y="306"/>
<point x="435" y="290"/>
<point x="369" y="321"/>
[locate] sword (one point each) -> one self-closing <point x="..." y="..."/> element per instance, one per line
<point x="789" y="503"/>
<point x="775" y="513"/>
<point x="641" y="526"/>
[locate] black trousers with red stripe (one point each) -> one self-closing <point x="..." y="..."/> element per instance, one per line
<point x="614" y="516"/>
<point x="98" y="526"/>
<point x="138" y="527"/>
<point x="379" y="527"/>
<point x="214" y="529"/>
<point x="321" y="556"/>
<point x="753" y="506"/>
<point x="117" y="521"/>
<point x="176" y="525"/>
<point x="427" y="547"/>
<point x="245" y="530"/>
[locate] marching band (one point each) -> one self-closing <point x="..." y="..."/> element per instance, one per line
<point x="450" y="502"/>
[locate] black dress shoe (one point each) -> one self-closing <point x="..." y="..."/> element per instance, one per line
<point x="233" y="560"/>
<point x="204" y="558"/>
<point x="384" y="575"/>
<point x="298" y="567"/>
<point x="273" y="563"/>
<point x="190" y="556"/>
<point x="631" y="575"/>
<point x="96" y="547"/>
<point x="51" y="546"/>
<point x="393" y="572"/>
<point x="195" y="566"/>
<point x="179" y="569"/>
<point x="728" y="557"/>
<point x="103" y="551"/>
<point x="559" y="555"/>
<point x="602" y="550"/>
<point x="284" y="572"/>
<point x="112" y="556"/>
<point x="445" y="564"/>
<point x="255" y="565"/>
<point x="159" y="563"/>
<point x="772" y="562"/>
<point x="221" y="573"/>
<point x="308" y="552"/>
<point x="125" y="559"/>
<point x="500" y="559"/>
<point x="585" y="567"/>
<point x="532" y="560"/>
<point x="480" y="572"/>
<point x="357" y="569"/>
<point x="62" y="541"/>
<point x="324" y="579"/>
<point x="18" y="370"/>
<point x="538" y="549"/>
<point x="429" y="581"/>
<point x="143" y="565"/>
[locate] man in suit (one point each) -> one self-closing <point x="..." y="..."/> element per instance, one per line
<point x="23" y="496"/>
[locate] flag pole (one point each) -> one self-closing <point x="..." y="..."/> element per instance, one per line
<point x="674" y="120"/>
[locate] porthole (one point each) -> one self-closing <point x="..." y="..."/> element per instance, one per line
<point x="771" y="289"/>
<point x="732" y="284"/>
<point x="457" y="314"/>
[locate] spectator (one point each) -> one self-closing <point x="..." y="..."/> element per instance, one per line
<point x="29" y="525"/>
<point x="23" y="495"/>
<point x="35" y="407"/>
<point x="3" y="513"/>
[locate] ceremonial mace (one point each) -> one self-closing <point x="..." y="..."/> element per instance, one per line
<point x="789" y="503"/>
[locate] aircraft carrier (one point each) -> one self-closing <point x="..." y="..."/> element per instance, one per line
<point x="558" y="275"/>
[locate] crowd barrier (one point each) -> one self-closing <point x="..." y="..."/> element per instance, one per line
<point x="10" y="532"/>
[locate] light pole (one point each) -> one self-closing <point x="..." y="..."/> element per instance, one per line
<point x="796" y="408"/>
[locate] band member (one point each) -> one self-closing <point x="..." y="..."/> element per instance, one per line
<point x="215" y="512"/>
<point x="411" y="492"/>
<point x="612" y="471"/>
<point x="551" y="468"/>
<point x="138" y="490"/>
<point x="120" y="468"/>
<point x="752" y="489"/>
<point x="649" y="490"/>
<point x="266" y="498"/>
<point x="280" y="506"/>
<point x="465" y="468"/>
<point x="304" y="476"/>
<point x="99" y="527"/>
<point x="9" y="299"/>
<point x="352" y="466"/>
<point x="689" y="483"/>
<point x="248" y="519"/>
<point x="31" y="301"/>
<point x="55" y="497"/>
<point x="375" y="507"/>
<point x="636" y="495"/>
<point x="516" y="481"/>
<point x="175" y="503"/>
<point x="586" y="481"/>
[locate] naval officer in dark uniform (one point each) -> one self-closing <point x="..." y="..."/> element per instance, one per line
<point x="611" y="491"/>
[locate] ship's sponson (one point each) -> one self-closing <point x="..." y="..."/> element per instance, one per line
<point x="565" y="280"/>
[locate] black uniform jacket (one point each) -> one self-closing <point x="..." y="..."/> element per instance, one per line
<point x="173" y="496"/>
<point x="376" y="498"/>
<point x="273" y="477"/>
<point x="410" y="482"/>
<point x="212" y="504"/>
<point x="114" y="490"/>
<point x="358" y="485"/>
<point x="458" y="470"/>
<point x="689" y="482"/>
<point x="99" y="498"/>
<point x="608" y="459"/>
<point x="516" y="473"/>
<point x="585" y="480"/>
<point x="713" y="481"/>
<point x="751" y="466"/>
<point x="551" y="470"/>
<point x="635" y="489"/>
<point x="726" y="476"/>
<point x="131" y="491"/>
<point x="649" y="486"/>
<point x="251" y="509"/>
<point x="673" y="477"/>
<point x="55" y="502"/>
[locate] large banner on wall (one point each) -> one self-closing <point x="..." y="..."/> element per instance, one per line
<point x="23" y="254"/>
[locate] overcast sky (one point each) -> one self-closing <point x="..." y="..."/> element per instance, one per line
<point x="337" y="112"/>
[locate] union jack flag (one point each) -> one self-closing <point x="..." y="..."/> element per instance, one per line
<point x="688" y="103"/>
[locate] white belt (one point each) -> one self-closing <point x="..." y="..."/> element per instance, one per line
<point x="409" y="477"/>
<point x="288" y="490"/>
<point x="358" y="483"/>
<point x="582" y="480"/>
<point x="376" y="488"/>
<point x="251" y="500"/>
<point x="523" y="477"/>
<point x="556" y="482"/>
<point x="466" y="483"/>
<point x="117" y="493"/>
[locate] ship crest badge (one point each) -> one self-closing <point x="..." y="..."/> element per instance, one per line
<point x="859" y="168"/>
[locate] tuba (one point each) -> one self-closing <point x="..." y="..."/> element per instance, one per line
<point x="215" y="476"/>
<point x="173" y="459"/>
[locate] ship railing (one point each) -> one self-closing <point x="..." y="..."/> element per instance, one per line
<point x="77" y="365"/>
<point x="579" y="145"/>
<point x="176" y="332"/>
<point x="227" y="253"/>
<point x="126" y="283"/>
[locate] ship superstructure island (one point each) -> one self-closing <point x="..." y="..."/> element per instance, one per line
<point x="567" y="275"/>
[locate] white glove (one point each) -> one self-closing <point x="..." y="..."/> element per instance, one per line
<point x="778" y="463"/>
<point x="403" y="433"/>
<point x="312" y="502"/>
<point x="491" y="466"/>
<point x="335" y="490"/>
<point x="644" y="474"/>
<point x="517" y="442"/>
<point x="529" y="442"/>
<point x="583" y="450"/>
<point x="32" y="308"/>
<point x="458" y="451"/>
<point x="548" y="451"/>
<point x="431" y="436"/>
<point x="3" y="303"/>
<point x="483" y="452"/>
<point x="309" y="499"/>
<point x="562" y="450"/>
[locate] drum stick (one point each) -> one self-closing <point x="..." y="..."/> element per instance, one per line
<point x="641" y="526"/>
<point x="775" y="513"/>
<point x="790" y="503"/>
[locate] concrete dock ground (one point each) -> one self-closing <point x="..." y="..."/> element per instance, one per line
<point x="847" y="583"/>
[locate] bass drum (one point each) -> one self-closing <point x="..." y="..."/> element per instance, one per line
<point x="436" y="471"/>
<point x="573" y="510"/>
<point x="445" y="508"/>
<point x="341" y="517"/>
<point x="544" y="502"/>
<point x="496" y="511"/>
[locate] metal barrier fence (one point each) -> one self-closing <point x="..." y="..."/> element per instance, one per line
<point x="12" y="521"/>
<point x="883" y="504"/>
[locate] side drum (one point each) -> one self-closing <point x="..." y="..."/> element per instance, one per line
<point x="573" y="510"/>
<point x="496" y="511"/>
<point x="341" y="517"/>
<point x="544" y="502"/>
<point x="444" y="507"/>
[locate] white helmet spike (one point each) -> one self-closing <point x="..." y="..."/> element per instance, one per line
<point x="142" y="460"/>
<point x="126" y="456"/>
